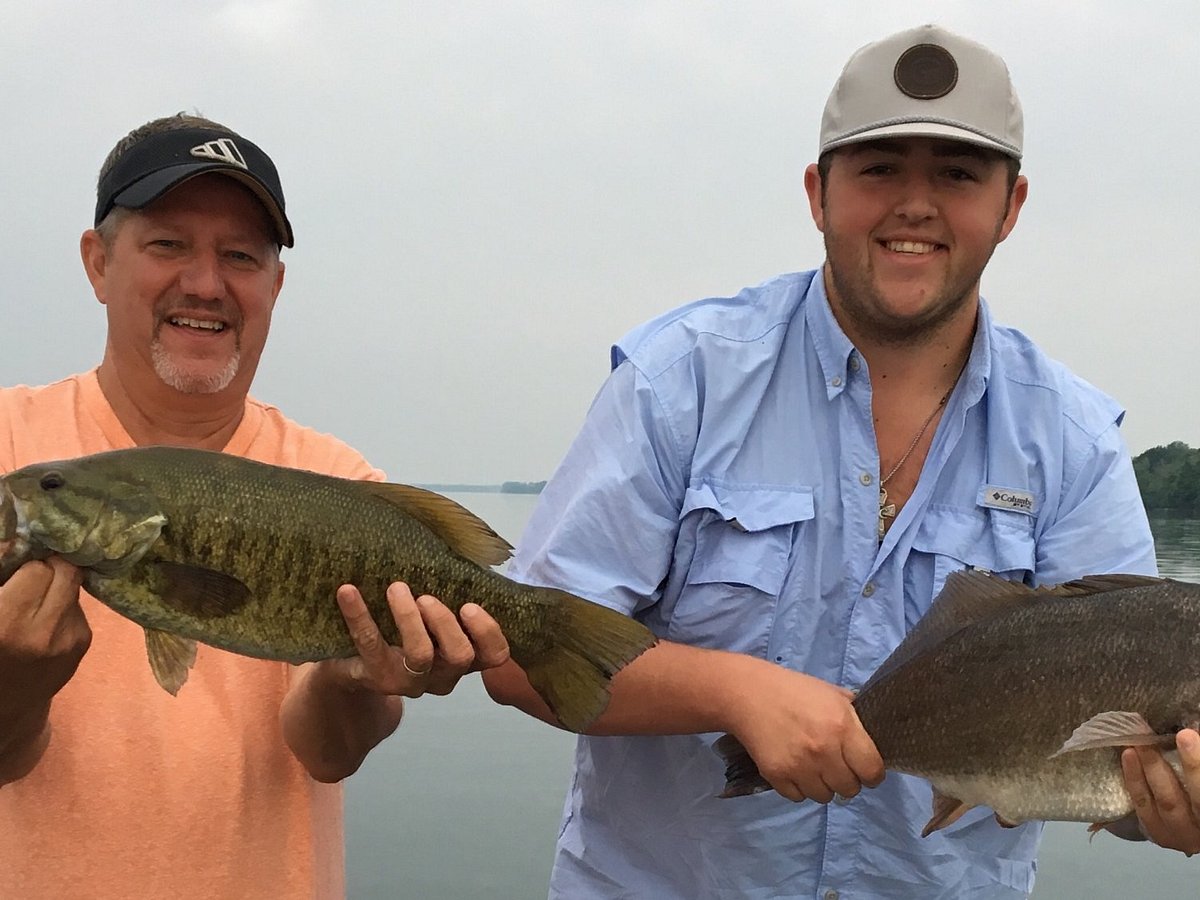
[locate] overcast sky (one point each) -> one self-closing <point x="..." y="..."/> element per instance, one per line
<point x="486" y="195"/>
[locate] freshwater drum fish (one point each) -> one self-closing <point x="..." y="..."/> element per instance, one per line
<point x="1021" y="699"/>
<point x="195" y="545"/>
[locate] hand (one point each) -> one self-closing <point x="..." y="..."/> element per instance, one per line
<point x="43" y="633"/>
<point x="435" y="649"/>
<point x="43" y="636"/>
<point x="806" y="738"/>
<point x="1167" y="808"/>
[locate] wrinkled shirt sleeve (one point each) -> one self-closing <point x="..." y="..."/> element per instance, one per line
<point x="1101" y="526"/>
<point x="605" y="526"/>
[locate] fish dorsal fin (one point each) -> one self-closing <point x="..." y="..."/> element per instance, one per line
<point x="1115" y="728"/>
<point x="1100" y="584"/>
<point x="204" y="593"/>
<point x="171" y="657"/>
<point x="967" y="598"/>
<point x="463" y="531"/>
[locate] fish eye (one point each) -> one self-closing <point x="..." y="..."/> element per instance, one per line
<point x="52" y="480"/>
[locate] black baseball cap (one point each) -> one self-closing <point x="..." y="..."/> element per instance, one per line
<point x="159" y="162"/>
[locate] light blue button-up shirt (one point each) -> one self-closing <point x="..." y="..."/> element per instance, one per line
<point x="724" y="490"/>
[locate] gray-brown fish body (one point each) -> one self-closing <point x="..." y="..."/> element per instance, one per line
<point x="247" y="557"/>
<point x="1022" y="699"/>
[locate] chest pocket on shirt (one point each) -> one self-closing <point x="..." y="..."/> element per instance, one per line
<point x="997" y="540"/>
<point x="743" y="541"/>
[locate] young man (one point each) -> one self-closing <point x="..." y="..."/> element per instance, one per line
<point x="779" y="483"/>
<point x="109" y="786"/>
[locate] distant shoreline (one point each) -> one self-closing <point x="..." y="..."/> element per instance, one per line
<point x="508" y="487"/>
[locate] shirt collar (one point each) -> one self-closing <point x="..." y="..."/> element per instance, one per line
<point x="837" y="354"/>
<point x="834" y="350"/>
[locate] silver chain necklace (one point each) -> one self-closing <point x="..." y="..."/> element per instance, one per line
<point x="888" y="510"/>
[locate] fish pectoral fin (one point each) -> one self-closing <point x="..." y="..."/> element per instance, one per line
<point x="200" y="592"/>
<point x="462" y="531"/>
<point x="946" y="811"/>
<point x="171" y="657"/>
<point x="1115" y="728"/>
<point x="1127" y="828"/>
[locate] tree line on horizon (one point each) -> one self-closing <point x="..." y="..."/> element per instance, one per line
<point x="1169" y="478"/>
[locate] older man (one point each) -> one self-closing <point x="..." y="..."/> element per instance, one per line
<point x="111" y="787"/>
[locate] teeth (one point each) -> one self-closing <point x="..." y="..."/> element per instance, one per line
<point x="206" y="324"/>
<point x="910" y="246"/>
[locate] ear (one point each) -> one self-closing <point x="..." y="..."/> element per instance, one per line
<point x="1016" y="199"/>
<point x="812" y="187"/>
<point x="95" y="261"/>
<point x="278" y="282"/>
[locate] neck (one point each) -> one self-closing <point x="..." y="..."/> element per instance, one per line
<point x="154" y="413"/>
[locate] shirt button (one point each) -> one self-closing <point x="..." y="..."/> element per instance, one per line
<point x="830" y="895"/>
<point x="836" y="381"/>
<point x="866" y="478"/>
<point x="854" y="364"/>
<point x="840" y="800"/>
<point x="868" y="589"/>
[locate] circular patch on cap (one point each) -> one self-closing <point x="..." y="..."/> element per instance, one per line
<point x="926" y="72"/>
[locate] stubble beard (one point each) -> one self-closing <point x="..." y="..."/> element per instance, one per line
<point x="186" y="381"/>
<point x="863" y="304"/>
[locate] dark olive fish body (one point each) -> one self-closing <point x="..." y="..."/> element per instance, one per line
<point x="1022" y="699"/>
<point x="247" y="557"/>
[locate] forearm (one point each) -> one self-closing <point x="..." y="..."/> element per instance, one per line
<point x="331" y="726"/>
<point x="23" y="741"/>
<point x="670" y="689"/>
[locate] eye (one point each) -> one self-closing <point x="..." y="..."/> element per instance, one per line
<point x="52" y="480"/>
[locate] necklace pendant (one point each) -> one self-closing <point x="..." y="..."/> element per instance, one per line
<point x="886" y="511"/>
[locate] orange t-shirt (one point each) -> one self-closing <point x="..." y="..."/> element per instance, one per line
<point x="141" y="794"/>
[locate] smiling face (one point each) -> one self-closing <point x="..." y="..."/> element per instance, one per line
<point x="909" y="225"/>
<point x="189" y="284"/>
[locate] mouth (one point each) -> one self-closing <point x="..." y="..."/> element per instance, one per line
<point x="911" y="248"/>
<point x="214" y="326"/>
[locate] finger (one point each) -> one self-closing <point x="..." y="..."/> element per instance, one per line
<point x="25" y="591"/>
<point x="415" y="641"/>
<point x="862" y="757"/>
<point x="1139" y="791"/>
<point x="453" y="646"/>
<point x="1169" y="795"/>
<point x="63" y="591"/>
<point x="368" y="642"/>
<point x="1187" y="742"/>
<point x="491" y="646"/>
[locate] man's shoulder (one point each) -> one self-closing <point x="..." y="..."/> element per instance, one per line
<point x="25" y="396"/>
<point x="1027" y="369"/>
<point x="748" y="318"/>
<point x="281" y="440"/>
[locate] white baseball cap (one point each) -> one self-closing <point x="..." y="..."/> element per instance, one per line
<point x="924" y="82"/>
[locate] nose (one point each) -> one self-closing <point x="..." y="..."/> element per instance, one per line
<point x="201" y="277"/>
<point x="916" y="202"/>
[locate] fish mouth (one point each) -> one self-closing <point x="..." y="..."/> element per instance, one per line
<point x="16" y="548"/>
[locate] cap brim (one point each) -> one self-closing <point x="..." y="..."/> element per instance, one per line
<point x="146" y="190"/>
<point x="924" y="129"/>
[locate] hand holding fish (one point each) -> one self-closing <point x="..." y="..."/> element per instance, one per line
<point x="808" y="742"/>
<point x="1167" y="806"/>
<point x="434" y="650"/>
<point x="43" y="636"/>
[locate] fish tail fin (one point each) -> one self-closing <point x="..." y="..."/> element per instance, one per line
<point x="742" y="777"/>
<point x="591" y="643"/>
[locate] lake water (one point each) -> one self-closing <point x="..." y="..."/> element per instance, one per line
<point x="463" y="802"/>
